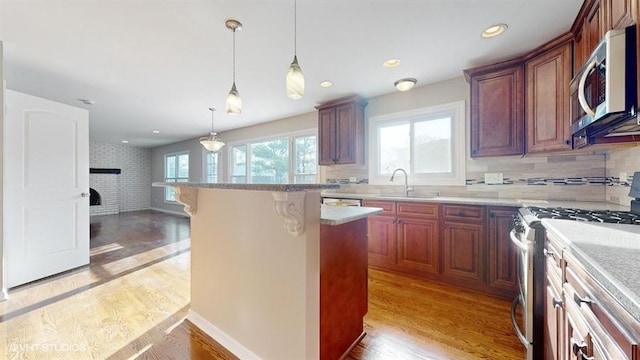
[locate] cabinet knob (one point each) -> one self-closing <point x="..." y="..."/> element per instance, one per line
<point x="547" y="253"/>
<point x="567" y="142"/>
<point x="556" y="302"/>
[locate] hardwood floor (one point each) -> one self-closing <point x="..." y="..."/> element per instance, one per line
<point x="131" y="301"/>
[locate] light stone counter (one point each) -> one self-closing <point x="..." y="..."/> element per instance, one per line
<point x="609" y="252"/>
<point x="337" y="215"/>
<point x="587" y="205"/>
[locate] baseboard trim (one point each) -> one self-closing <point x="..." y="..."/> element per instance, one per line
<point x="220" y="336"/>
<point x="179" y="213"/>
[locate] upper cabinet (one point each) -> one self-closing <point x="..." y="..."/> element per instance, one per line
<point x="547" y="99"/>
<point x="341" y="131"/>
<point x="497" y="103"/>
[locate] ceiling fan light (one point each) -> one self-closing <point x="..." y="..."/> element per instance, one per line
<point x="234" y="102"/>
<point x="405" y="84"/>
<point x="295" y="80"/>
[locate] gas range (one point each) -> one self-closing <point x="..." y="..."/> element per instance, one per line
<point x="602" y="216"/>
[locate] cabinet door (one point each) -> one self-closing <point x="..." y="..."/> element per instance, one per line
<point x="346" y="123"/>
<point x="547" y="100"/>
<point x="463" y="251"/>
<point x="382" y="241"/>
<point x="497" y="119"/>
<point x="554" y="318"/>
<point x="326" y="136"/>
<point x="503" y="258"/>
<point x="617" y="13"/>
<point x="418" y="244"/>
<point x="594" y="26"/>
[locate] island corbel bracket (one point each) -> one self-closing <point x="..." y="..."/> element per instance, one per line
<point x="290" y="206"/>
<point x="187" y="196"/>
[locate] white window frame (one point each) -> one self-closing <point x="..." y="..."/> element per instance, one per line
<point x="456" y="177"/>
<point x="205" y="165"/>
<point x="247" y="143"/>
<point x="177" y="178"/>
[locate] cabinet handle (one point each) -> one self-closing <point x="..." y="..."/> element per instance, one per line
<point x="547" y="253"/>
<point x="578" y="300"/>
<point x="578" y="348"/>
<point x="461" y="213"/>
<point x="567" y="142"/>
<point x="556" y="302"/>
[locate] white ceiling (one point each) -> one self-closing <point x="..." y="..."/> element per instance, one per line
<point x="160" y="64"/>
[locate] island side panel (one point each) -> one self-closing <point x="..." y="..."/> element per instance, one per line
<point x="343" y="287"/>
<point x="253" y="281"/>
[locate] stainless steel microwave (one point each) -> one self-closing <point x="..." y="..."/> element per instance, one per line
<point x="604" y="91"/>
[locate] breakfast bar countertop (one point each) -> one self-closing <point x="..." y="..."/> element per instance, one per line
<point x="609" y="252"/>
<point x="336" y="215"/>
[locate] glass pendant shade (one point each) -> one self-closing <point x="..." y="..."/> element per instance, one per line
<point x="295" y="80"/>
<point x="234" y="103"/>
<point x="211" y="143"/>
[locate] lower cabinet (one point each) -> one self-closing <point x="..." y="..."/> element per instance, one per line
<point x="454" y="243"/>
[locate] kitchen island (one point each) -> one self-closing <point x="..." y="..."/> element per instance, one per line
<point x="275" y="275"/>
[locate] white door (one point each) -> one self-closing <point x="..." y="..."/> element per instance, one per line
<point x="46" y="186"/>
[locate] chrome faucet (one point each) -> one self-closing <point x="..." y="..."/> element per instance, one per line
<point x="406" y="180"/>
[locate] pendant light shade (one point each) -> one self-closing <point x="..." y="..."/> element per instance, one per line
<point x="234" y="103"/>
<point x="295" y="77"/>
<point x="211" y="142"/>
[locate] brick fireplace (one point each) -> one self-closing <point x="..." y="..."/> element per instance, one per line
<point x="106" y="184"/>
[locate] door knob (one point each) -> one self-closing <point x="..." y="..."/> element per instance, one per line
<point x="85" y="194"/>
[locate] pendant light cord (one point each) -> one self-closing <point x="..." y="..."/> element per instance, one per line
<point x="295" y="27"/>
<point x="234" y="56"/>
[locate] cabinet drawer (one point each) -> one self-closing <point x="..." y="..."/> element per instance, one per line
<point x="417" y="209"/>
<point x="388" y="207"/>
<point x="553" y="255"/>
<point x="463" y="212"/>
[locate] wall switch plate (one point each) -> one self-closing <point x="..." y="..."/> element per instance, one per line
<point x="623" y="177"/>
<point x="493" y="178"/>
<point x="353" y="179"/>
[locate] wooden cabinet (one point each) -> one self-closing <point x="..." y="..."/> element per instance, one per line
<point x="547" y="100"/>
<point x="341" y="131"/>
<point x="463" y="243"/>
<point x="502" y="257"/>
<point x="617" y="13"/>
<point x="582" y="319"/>
<point x="404" y="237"/>
<point x="497" y="109"/>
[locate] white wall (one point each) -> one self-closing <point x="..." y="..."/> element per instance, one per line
<point x="3" y="290"/>
<point x="135" y="179"/>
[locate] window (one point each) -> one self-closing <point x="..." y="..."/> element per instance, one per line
<point x="280" y="160"/>
<point x="176" y="169"/>
<point x="211" y="167"/>
<point x="429" y="143"/>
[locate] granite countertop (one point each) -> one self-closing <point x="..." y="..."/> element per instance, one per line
<point x="587" y="205"/>
<point x="255" y="187"/>
<point x="336" y="215"/>
<point x="609" y="252"/>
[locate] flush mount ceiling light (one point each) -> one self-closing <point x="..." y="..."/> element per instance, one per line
<point x="125" y="141"/>
<point x="295" y="78"/>
<point x="211" y="142"/>
<point x="391" y="63"/>
<point x="326" y="84"/>
<point x="495" y="30"/>
<point x="234" y="103"/>
<point x="405" y="84"/>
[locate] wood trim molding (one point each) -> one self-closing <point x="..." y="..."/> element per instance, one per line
<point x="290" y="206"/>
<point x="187" y="196"/>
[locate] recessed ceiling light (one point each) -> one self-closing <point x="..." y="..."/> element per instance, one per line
<point x="405" y="84"/>
<point x="156" y="131"/>
<point x="391" y="63"/>
<point x="326" y="84"/>
<point x="125" y="141"/>
<point x="86" y="101"/>
<point x="495" y="30"/>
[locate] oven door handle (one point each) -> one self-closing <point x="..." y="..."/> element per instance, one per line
<point x="583" y="79"/>
<point x="516" y="327"/>
<point x="517" y="242"/>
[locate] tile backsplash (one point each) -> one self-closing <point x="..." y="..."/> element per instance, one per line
<point x="592" y="177"/>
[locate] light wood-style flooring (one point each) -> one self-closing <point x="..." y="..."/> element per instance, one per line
<point x="131" y="301"/>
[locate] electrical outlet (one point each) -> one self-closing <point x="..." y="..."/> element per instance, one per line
<point x="493" y="178"/>
<point x="353" y="179"/>
<point x="623" y="177"/>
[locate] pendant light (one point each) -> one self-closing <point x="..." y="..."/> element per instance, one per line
<point x="211" y="142"/>
<point x="234" y="103"/>
<point x="295" y="78"/>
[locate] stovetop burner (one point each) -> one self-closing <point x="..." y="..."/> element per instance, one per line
<point x="603" y="216"/>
